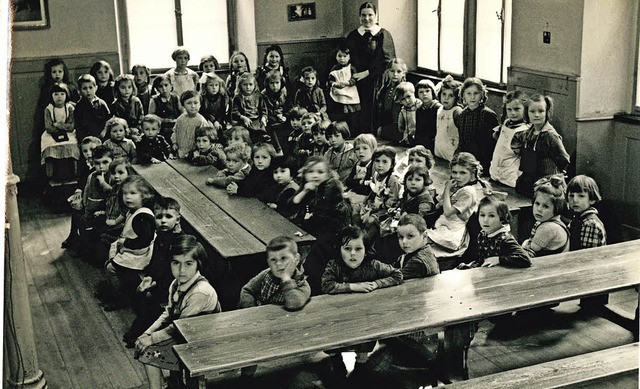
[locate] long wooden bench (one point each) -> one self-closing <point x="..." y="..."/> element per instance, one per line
<point x="594" y="369"/>
<point x="231" y="340"/>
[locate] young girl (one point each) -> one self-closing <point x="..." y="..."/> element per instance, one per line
<point x="359" y="180"/>
<point x="239" y="134"/>
<point x="259" y="182"/>
<point x="353" y="273"/>
<point x="505" y="164"/>
<point x="239" y="64"/>
<point x="276" y="100"/>
<point x="237" y="155"/>
<point x="119" y="170"/>
<point x="476" y="122"/>
<point x="283" y="168"/>
<point x="496" y="245"/>
<point x="549" y="234"/>
<point x="208" y="64"/>
<point x="427" y="114"/>
<point x="207" y="151"/>
<point x="449" y="237"/>
<point x="323" y="212"/>
<point x="342" y="89"/>
<point x="305" y="142"/>
<point x="182" y="78"/>
<point x="385" y="188"/>
<point x="540" y="148"/>
<point x="131" y="252"/>
<point x="294" y="129"/>
<point x="388" y="108"/>
<point x="55" y="72"/>
<point x="214" y="100"/>
<point x="406" y="96"/>
<point x="142" y="79"/>
<point x="189" y="295"/>
<point x="58" y="141"/>
<point x="184" y="132"/>
<point x="447" y="137"/>
<point x="165" y="104"/>
<point x="273" y="61"/>
<point x="103" y="74"/>
<point x="127" y="105"/>
<point x="310" y="96"/>
<point x="120" y="146"/>
<point x="249" y="108"/>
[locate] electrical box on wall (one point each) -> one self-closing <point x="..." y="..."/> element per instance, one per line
<point x="546" y="37"/>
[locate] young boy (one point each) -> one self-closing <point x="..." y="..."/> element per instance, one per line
<point x="586" y="229"/>
<point x="94" y="200"/>
<point x="282" y="175"/>
<point x="311" y="96"/>
<point x="158" y="273"/>
<point x="427" y="114"/>
<point x="320" y="142"/>
<point x="207" y="151"/>
<point x="153" y="147"/>
<point x="183" y="136"/>
<point x="341" y="156"/>
<point x="237" y="155"/>
<point x="304" y="142"/>
<point x="91" y="112"/>
<point x="295" y="123"/>
<point x="406" y="95"/>
<point x="417" y="260"/>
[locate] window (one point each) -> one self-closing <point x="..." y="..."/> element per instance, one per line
<point x="154" y="28"/>
<point x="465" y="38"/>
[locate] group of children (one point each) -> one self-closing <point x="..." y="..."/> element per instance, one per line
<point x="275" y="138"/>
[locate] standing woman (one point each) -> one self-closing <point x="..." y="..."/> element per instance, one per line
<point x="371" y="49"/>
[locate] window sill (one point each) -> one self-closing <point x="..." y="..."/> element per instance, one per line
<point x="627" y="118"/>
<point x="439" y="76"/>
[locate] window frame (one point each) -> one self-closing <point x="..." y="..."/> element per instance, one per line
<point x="635" y="102"/>
<point x="469" y="47"/>
<point x="122" y="23"/>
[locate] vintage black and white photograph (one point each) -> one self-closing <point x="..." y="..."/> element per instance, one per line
<point x="301" y="11"/>
<point x="30" y="14"/>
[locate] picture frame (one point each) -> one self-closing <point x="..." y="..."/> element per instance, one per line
<point x="30" y="14"/>
<point x="301" y="11"/>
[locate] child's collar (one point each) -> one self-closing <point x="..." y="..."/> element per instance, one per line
<point x="504" y="228"/>
<point x="184" y="287"/>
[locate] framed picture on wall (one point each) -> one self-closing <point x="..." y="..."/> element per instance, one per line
<point x="30" y="14"/>
<point x="301" y="11"/>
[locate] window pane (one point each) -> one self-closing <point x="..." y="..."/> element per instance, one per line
<point x="204" y="27"/>
<point x="152" y="32"/>
<point x="451" y="42"/>
<point x="428" y="34"/>
<point x="488" y="40"/>
<point x="638" y="78"/>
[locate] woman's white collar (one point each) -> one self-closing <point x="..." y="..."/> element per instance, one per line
<point x="375" y="29"/>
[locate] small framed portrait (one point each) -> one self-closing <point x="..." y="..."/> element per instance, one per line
<point x="29" y="14"/>
<point x="301" y="11"/>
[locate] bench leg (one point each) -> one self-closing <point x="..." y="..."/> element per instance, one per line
<point x="196" y="383"/>
<point x="453" y="351"/>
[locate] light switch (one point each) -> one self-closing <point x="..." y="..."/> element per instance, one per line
<point x="546" y="37"/>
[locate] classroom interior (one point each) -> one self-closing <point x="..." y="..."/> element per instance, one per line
<point x="590" y="68"/>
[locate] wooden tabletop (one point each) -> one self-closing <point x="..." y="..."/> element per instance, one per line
<point x="227" y="237"/>
<point x="255" y="216"/>
<point x="240" y="338"/>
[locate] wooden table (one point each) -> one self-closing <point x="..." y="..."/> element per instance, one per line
<point x="230" y="340"/>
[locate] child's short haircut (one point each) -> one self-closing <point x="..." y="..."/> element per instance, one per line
<point x="122" y="79"/>
<point x="143" y="187"/>
<point x="188" y="244"/>
<point x="222" y="88"/>
<point x="208" y="58"/>
<point x="115" y="122"/>
<point x="94" y="140"/>
<point x="242" y="132"/>
<point x="343" y="47"/>
<point x="180" y="50"/>
<point x="274" y="75"/>
<point x="555" y="187"/>
<point x="425" y="83"/>
<point x="86" y="78"/>
<point x="264" y="146"/>
<point x="285" y="162"/>
<point x="367" y="139"/>
<point x="321" y="127"/>
<point x="403" y="88"/>
<point x="282" y="242"/>
<point x="412" y="219"/>
<point x="350" y="233"/>
<point x="474" y="81"/>
<point x="152" y="119"/>
<point x="582" y="183"/>
<point x="387" y="151"/>
<point x="339" y="128"/>
<point x="102" y="151"/>
<point x="308" y="70"/>
<point x="421" y="151"/>
<point x="419" y="171"/>
<point x="189" y="94"/>
<point x="59" y="87"/>
<point x="143" y="67"/>
<point x="120" y="161"/>
<point x="311" y="115"/>
<point x="207" y="131"/>
<point x="241" y="150"/>
<point x="159" y="79"/>
<point x="163" y="203"/>
<point x="296" y="112"/>
<point x="502" y="208"/>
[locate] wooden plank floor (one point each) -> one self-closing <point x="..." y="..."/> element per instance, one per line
<point x="79" y="346"/>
